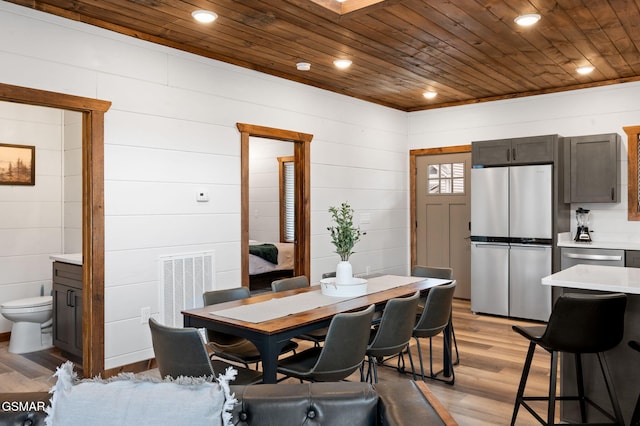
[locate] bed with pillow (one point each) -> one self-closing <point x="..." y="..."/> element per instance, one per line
<point x="269" y="261"/>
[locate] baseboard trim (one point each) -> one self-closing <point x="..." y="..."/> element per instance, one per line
<point x="135" y="367"/>
<point x="4" y="337"/>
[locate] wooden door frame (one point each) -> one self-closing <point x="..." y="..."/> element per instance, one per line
<point x="302" y="171"/>
<point x="633" y="211"/>
<point x="458" y="149"/>
<point x="92" y="211"/>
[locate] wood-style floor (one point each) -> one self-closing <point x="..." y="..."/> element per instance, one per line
<point x="491" y="358"/>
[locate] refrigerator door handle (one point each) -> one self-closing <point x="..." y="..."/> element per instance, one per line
<point x="481" y="245"/>
<point x="532" y="246"/>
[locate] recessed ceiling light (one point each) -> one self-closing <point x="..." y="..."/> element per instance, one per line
<point x="527" y="20"/>
<point x="303" y="66"/>
<point x="204" y="16"/>
<point x="342" y="63"/>
<point x="430" y="94"/>
<point x="585" y="70"/>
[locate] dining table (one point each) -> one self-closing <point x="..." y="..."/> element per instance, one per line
<point x="271" y="319"/>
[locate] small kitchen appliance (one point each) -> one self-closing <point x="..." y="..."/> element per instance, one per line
<point x="582" y="234"/>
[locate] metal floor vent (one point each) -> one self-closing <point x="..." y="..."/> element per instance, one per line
<point x="184" y="278"/>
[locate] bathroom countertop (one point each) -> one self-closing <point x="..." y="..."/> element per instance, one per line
<point x="72" y="258"/>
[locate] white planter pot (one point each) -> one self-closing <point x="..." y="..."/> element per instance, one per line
<point x="344" y="272"/>
<point x="344" y="284"/>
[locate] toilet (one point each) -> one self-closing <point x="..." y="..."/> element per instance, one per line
<point x="32" y="319"/>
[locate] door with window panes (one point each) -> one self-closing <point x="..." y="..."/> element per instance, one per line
<point x="443" y="215"/>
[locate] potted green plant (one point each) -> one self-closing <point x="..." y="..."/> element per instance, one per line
<point x="344" y="236"/>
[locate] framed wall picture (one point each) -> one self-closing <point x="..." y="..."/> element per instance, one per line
<point x="17" y="164"/>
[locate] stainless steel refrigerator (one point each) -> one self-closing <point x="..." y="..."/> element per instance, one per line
<point x="511" y="234"/>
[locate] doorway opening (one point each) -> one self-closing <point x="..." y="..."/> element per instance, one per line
<point x="301" y="194"/>
<point x="93" y="111"/>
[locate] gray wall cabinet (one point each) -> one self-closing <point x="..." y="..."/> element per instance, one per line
<point x="592" y="169"/>
<point x="509" y="152"/>
<point x="67" y="309"/>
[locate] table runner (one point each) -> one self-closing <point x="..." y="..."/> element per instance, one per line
<point x="283" y="306"/>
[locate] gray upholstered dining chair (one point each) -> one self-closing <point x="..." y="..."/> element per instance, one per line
<point x="434" y="319"/>
<point x="227" y="346"/>
<point x="342" y="353"/>
<point x="181" y="352"/>
<point x="444" y="273"/>
<point x="392" y="336"/>
<point x="316" y="336"/>
<point x="292" y="283"/>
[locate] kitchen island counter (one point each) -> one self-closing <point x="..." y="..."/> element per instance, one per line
<point x="597" y="277"/>
<point x="623" y="362"/>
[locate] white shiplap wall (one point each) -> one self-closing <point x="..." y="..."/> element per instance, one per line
<point x="30" y="216"/>
<point x="72" y="186"/>
<point x="171" y="131"/>
<point x="581" y="112"/>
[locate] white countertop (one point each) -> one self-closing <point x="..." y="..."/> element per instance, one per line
<point x="602" y="241"/>
<point x="596" y="277"/>
<point x="73" y="258"/>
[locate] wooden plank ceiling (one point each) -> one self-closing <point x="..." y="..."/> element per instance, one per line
<point x="465" y="50"/>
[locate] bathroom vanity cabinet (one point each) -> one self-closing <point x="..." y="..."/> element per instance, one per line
<point x="67" y="309"/>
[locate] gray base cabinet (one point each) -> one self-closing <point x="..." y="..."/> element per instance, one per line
<point x="67" y="309"/>
<point x="632" y="258"/>
<point x="592" y="169"/>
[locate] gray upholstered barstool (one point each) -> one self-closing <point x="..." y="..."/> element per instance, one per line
<point x="579" y="324"/>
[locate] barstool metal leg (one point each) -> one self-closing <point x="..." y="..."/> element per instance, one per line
<point x="523" y="381"/>
<point x="580" y="382"/>
<point x="553" y="382"/>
